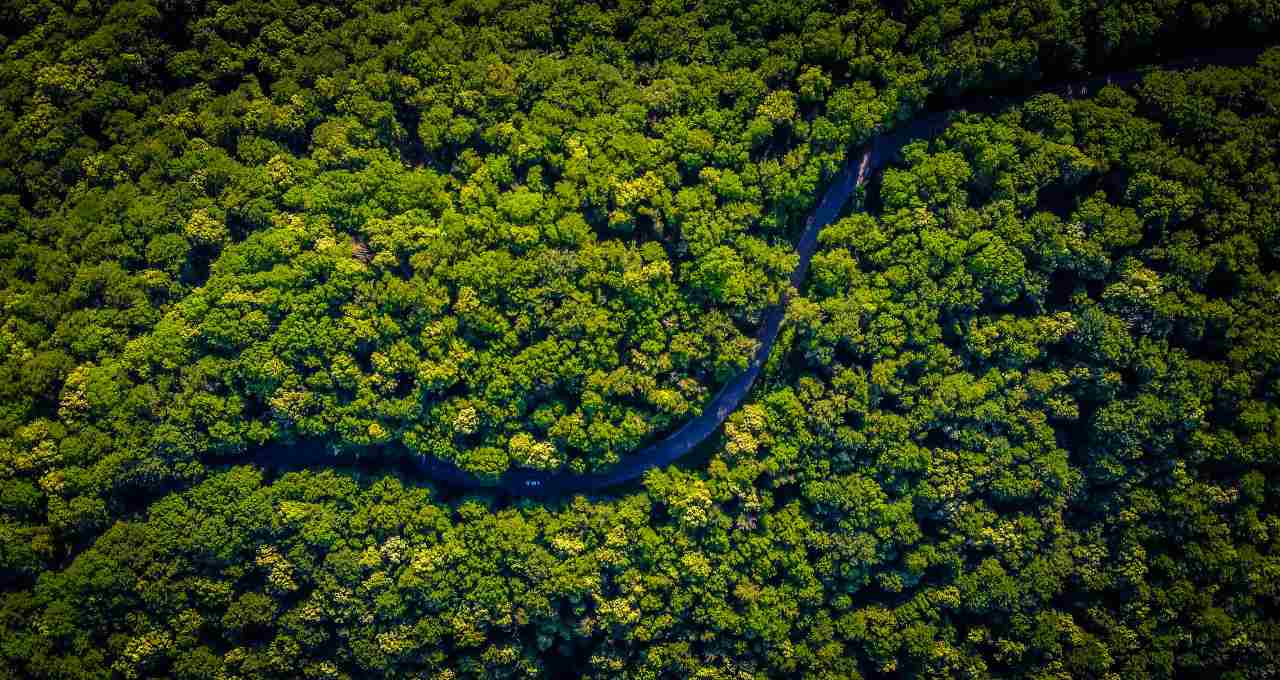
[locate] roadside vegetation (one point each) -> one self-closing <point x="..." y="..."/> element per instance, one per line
<point x="1022" y="420"/>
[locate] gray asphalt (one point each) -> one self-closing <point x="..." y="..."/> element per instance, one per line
<point x="883" y="149"/>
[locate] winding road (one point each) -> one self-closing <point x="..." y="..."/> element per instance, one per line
<point x="882" y="149"/>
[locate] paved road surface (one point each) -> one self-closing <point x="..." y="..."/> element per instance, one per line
<point x="883" y="149"/>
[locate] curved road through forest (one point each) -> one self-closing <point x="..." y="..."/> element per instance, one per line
<point x="881" y="150"/>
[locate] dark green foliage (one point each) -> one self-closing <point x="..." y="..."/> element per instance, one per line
<point x="1022" y="421"/>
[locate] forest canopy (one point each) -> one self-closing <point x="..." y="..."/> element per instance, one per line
<point x="1022" y="419"/>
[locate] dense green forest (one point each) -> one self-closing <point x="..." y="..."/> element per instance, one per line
<point x="1023" y="420"/>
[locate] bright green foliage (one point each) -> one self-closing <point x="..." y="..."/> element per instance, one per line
<point x="1022" y="421"/>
